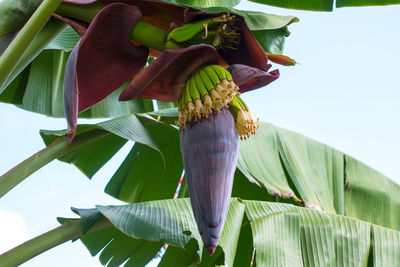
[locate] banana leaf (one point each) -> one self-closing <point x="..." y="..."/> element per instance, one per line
<point x="282" y="235"/>
<point x="324" y="5"/>
<point x="92" y="156"/>
<point x="290" y="165"/>
<point x="273" y="164"/>
<point x="315" y="224"/>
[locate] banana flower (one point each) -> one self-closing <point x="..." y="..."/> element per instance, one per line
<point x="212" y="116"/>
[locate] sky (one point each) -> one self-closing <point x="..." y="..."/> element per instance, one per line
<point x="344" y="92"/>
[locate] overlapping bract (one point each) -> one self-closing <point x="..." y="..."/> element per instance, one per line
<point x="210" y="149"/>
<point x="165" y="78"/>
<point x="99" y="64"/>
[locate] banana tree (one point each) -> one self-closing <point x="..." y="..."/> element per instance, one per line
<point x="295" y="202"/>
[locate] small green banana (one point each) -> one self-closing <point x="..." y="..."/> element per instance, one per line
<point x="199" y="84"/>
<point x="228" y="75"/>
<point x="217" y="101"/>
<point x="226" y="79"/>
<point x="222" y="92"/>
<point x="207" y="101"/>
<point x="186" y="95"/>
<point x="206" y="80"/>
<point x="235" y="104"/>
<point x="213" y="76"/>
<point x="194" y="92"/>
<point x="220" y="71"/>
<point x="195" y="95"/>
<point x="242" y="103"/>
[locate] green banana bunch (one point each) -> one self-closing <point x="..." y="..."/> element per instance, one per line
<point x="209" y="89"/>
<point x="244" y="122"/>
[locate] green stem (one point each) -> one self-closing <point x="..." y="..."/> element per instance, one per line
<point x="42" y="39"/>
<point x="85" y="13"/>
<point x="31" y="248"/>
<point x="149" y="35"/>
<point x="55" y="150"/>
<point x="17" y="47"/>
<point x="143" y="33"/>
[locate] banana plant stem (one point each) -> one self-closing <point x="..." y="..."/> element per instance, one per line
<point x="55" y="150"/>
<point x="17" y="47"/>
<point x="31" y="248"/>
<point x="69" y="230"/>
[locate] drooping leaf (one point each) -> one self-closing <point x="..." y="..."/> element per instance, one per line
<point x="282" y="234"/>
<point x="276" y="237"/>
<point x="386" y="246"/>
<point x="92" y="156"/>
<point x="317" y="240"/>
<point x="144" y="220"/>
<point x="274" y="162"/>
<point x="66" y="40"/>
<point x="115" y="246"/>
<point x="285" y="235"/>
<point x="145" y="175"/>
<point x="134" y="233"/>
<point x="259" y="161"/>
<point x="45" y="83"/>
<point x="291" y="165"/>
<point x="314" y="169"/>
<point x="352" y="241"/>
<point x="370" y="196"/>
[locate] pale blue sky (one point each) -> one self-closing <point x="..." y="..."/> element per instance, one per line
<point x="345" y="93"/>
